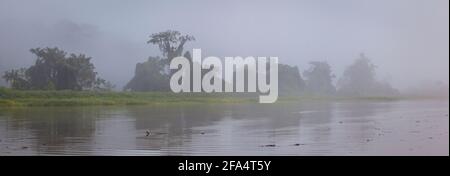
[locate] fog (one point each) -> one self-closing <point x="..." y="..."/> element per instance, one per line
<point x="408" y="40"/>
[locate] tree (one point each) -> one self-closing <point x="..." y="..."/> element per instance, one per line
<point x="170" y="43"/>
<point x="150" y="76"/>
<point x="154" y="74"/>
<point x="359" y="80"/>
<point x="289" y="80"/>
<point x="43" y="75"/>
<point x="319" y="78"/>
<point x="17" y="79"/>
<point x="54" y="70"/>
<point x="103" y="85"/>
<point x="82" y="71"/>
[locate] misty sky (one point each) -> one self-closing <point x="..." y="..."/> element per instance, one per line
<point x="407" y="39"/>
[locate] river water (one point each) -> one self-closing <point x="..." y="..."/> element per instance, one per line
<point x="413" y="127"/>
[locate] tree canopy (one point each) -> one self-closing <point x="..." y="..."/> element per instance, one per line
<point x="290" y="80"/>
<point x="170" y="42"/>
<point x="54" y="69"/>
<point x="359" y="79"/>
<point x="150" y="76"/>
<point x="154" y="75"/>
<point x="319" y="78"/>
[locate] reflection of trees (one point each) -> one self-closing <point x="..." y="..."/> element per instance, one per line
<point x="52" y="127"/>
<point x="316" y="113"/>
<point x="318" y="116"/>
<point x="272" y="116"/>
<point x="361" y="112"/>
<point x="174" y="126"/>
<point x="101" y="129"/>
<point x="333" y="126"/>
<point x="182" y="125"/>
<point x="171" y="125"/>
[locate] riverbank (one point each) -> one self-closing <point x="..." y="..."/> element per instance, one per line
<point x="13" y="98"/>
<point x="16" y="98"/>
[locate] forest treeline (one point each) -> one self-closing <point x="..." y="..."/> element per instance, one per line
<point x="54" y="69"/>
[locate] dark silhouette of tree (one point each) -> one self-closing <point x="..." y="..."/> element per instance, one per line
<point x="359" y="80"/>
<point x="54" y="70"/>
<point x="150" y="76"/>
<point x="319" y="78"/>
<point x="170" y="43"/>
<point x="154" y="74"/>
<point x="48" y="69"/>
<point x="289" y="80"/>
<point x="17" y="79"/>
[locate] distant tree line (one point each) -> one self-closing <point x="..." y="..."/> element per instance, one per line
<point x="54" y="69"/>
<point x="359" y="79"/>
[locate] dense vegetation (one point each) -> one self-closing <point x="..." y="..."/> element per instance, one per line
<point x="20" y="98"/>
<point x="55" y="70"/>
<point x="58" y="78"/>
<point x="319" y="78"/>
<point x="359" y="79"/>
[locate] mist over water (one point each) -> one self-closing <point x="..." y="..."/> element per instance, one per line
<point x="406" y="39"/>
<point x="310" y="128"/>
<point x="356" y="77"/>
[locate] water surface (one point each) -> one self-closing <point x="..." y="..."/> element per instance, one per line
<point x="313" y="128"/>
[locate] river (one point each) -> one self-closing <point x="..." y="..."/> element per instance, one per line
<point x="407" y="127"/>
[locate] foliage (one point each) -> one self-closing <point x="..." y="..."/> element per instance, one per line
<point x="319" y="78"/>
<point x="359" y="80"/>
<point x="289" y="80"/>
<point x="17" y="78"/>
<point x="150" y="76"/>
<point x="54" y="70"/>
<point x="154" y="74"/>
<point x="170" y="42"/>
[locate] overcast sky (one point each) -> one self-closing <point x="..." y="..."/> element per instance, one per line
<point x="407" y="39"/>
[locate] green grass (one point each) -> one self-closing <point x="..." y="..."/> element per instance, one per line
<point x="14" y="98"/>
<point x="10" y="97"/>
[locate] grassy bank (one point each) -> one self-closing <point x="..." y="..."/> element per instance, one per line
<point x="10" y="97"/>
<point x="13" y="98"/>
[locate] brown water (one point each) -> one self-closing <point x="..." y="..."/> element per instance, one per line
<point x="318" y="128"/>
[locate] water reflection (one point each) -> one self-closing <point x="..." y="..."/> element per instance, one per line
<point x="313" y="128"/>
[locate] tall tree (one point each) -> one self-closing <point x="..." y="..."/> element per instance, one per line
<point x="289" y="80"/>
<point x="44" y="73"/>
<point x="170" y="43"/>
<point x="319" y="78"/>
<point x="359" y="79"/>
<point x="82" y="71"/>
<point x="154" y="74"/>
